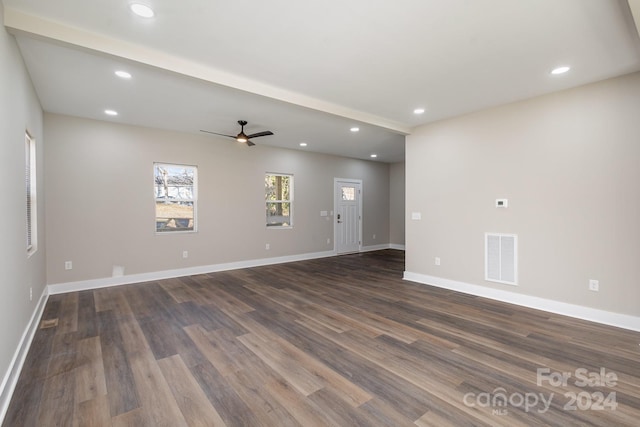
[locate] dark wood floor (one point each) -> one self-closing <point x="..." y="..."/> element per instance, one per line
<point x="340" y="341"/>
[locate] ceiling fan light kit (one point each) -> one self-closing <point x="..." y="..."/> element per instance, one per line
<point x="242" y="137"/>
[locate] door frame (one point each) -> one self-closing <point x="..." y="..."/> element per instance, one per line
<point x="335" y="210"/>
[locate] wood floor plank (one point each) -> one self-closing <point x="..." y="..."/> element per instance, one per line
<point x="103" y="299"/>
<point x="232" y="409"/>
<point x="226" y="301"/>
<point x="93" y="413"/>
<point x="378" y="382"/>
<point x="135" y="417"/>
<point x="386" y="414"/>
<point x="178" y="290"/>
<point x="346" y="390"/>
<point x="63" y="353"/>
<point x="195" y="407"/>
<point x="309" y="373"/>
<point x="154" y="395"/>
<point x="58" y="405"/>
<point x="339" y="413"/>
<point x="211" y="345"/>
<point x="191" y="313"/>
<point x="340" y="341"/>
<point x="305" y="411"/>
<point x="161" y="335"/>
<point x="251" y="325"/>
<point x="157" y="401"/>
<point x="335" y="320"/>
<point x="277" y="359"/>
<point x="141" y="300"/>
<point x="89" y="372"/>
<point x="68" y="317"/>
<point x="251" y="389"/>
<point x="87" y="320"/>
<point x="121" y="387"/>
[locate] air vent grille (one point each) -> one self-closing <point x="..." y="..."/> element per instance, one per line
<point x="501" y="258"/>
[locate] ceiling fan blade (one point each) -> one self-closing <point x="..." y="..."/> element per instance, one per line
<point x="250" y="144"/>
<point x="264" y="133"/>
<point x="216" y="133"/>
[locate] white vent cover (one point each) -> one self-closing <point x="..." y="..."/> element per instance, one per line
<point x="501" y="258"/>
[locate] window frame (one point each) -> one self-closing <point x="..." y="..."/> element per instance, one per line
<point x="193" y="199"/>
<point x="31" y="199"/>
<point x="281" y="201"/>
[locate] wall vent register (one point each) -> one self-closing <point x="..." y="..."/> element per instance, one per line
<point x="501" y="258"/>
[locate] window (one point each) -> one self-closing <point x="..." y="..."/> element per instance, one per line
<point x="279" y="199"/>
<point x="30" y="181"/>
<point x="175" y="188"/>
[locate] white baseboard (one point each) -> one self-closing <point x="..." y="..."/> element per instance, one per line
<point x="374" y="248"/>
<point x="381" y="247"/>
<point x="83" y="285"/>
<point x="60" y="288"/>
<point x="15" y="367"/>
<point x="580" y="312"/>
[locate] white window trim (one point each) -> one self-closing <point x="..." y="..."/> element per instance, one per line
<point x="31" y="208"/>
<point x="290" y="201"/>
<point x="194" y="200"/>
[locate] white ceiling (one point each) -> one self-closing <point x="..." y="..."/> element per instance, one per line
<point x="309" y="71"/>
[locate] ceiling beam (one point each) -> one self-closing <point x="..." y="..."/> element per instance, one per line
<point x="21" y="23"/>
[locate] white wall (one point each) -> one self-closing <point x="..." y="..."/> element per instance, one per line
<point x="569" y="163"/>
<point x="397" y="203"/>
<point x="100" y="206"/>
<point x="19" y="111"/>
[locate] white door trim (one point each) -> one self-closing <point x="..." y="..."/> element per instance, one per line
<point x="335" y="210"/>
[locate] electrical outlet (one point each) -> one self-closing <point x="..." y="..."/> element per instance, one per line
<point x="437" y="261"/>
<point x="374" y="237"/>
<point x="30" y="294"/>
<point x="267" y="246"/>
<point x="328" y="241"/>
<point x="185" y="254"/>
<point x="594" y="285"/>
<point x="68" y="265"/>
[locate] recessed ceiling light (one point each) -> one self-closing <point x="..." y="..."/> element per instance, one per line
<point x="111" y="112"/>
<point x="303" y="144"/>
<point x="123" y="74"/>
<point x="355" y="129"/>
<point x="373" y="156"/>
<point x="560" y="70"/>
<point x="418" y="111"/>
<point x="142" y="10"/>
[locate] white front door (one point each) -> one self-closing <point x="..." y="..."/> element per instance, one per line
<point x="348" y="195"/>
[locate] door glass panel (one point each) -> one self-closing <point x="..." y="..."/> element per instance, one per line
<point x="348" y="193"/>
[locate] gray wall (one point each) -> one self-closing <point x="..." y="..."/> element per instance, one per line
<point x="396" y="203"/>
<point x="19" y="111"/>
<point x="100" y="206"/>
<point x="569" y="163"/>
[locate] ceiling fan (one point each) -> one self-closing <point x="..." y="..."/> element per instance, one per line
<point x="242" y="137"/>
